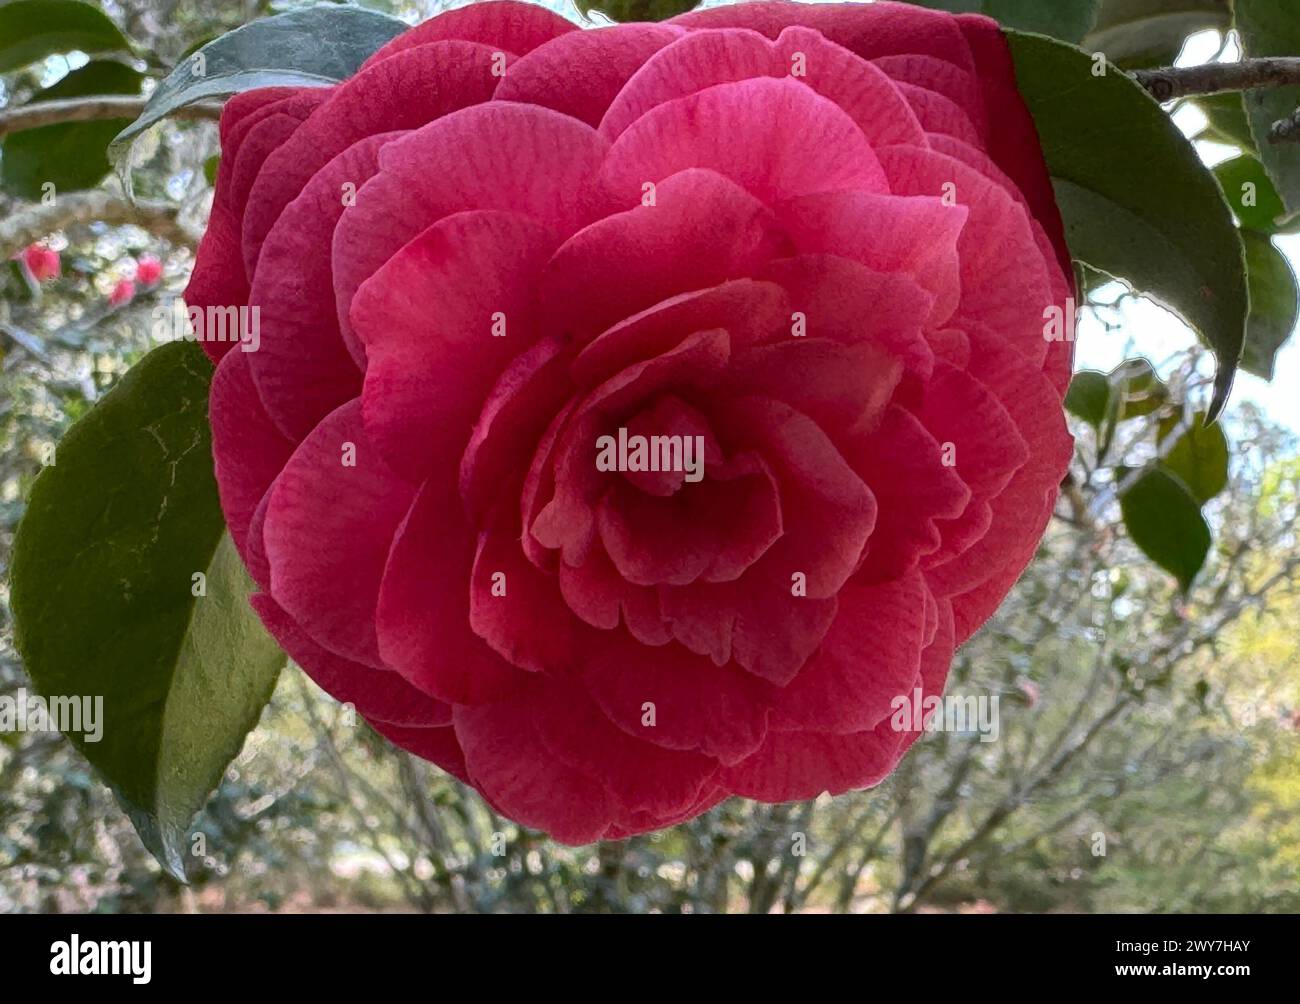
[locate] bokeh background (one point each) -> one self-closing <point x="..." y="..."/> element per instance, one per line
<point x="1149" y="749"/>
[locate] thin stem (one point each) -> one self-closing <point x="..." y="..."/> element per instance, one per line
<point x="1172" y="82"/>
<point x="33" y="222"/>
<point x="43" y="113"/>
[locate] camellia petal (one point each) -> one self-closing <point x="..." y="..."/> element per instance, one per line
<point x="641" y="414"/>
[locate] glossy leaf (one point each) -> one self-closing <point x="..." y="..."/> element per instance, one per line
<point x="1226" y="114"/>
<point x="1272" y="28"/>
<point x="1198" y="454"/>
<point x="1136" y="34"/>
<point x="118" y="537"/>
<point x="310" y="47"/>
<point x="1251" y="194"/>
<point x="1274" y="301"/>
<point x="1164" y="520"/>
<point x="1137" y="389"/>
<point x="635" y="10"/>
<point x="70" y="155"/>
<point x="30" y="30"/>
<point x="1138" y="203"/>
<point x="1089" y="397"/>
<point x="1068" y="20"/>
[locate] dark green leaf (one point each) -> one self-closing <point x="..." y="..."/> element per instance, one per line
<point x="1165" y="521"/>
<point x="210" y="168"/>
<point x="195" y="46"/>
<point x="1069" y="20"/>
<point x="103" y="583"/>
<point x="33" y="29"/>
<point x="1137" y="201"/>
<point x="1274" y="301"/>
<point x="1272" y="28"/>
<point x="1089" y="397"/>
<point x="1137" y="389"/>
<point x="1250" y="193"/>
<point x="18" y="285"/>
<point x="310" y="47"/>
<point x="1135" y="34"/>
<point x="635" y="10"/>
<point x="1199" y="456"/>
<point x="1227" y="117"/>
<point x="71" y="155"/>
<point x="1090" y="280"/>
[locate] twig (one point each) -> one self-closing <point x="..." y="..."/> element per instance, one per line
<point x="847" y="836"/>
<point x="849" y="882"/>
<point x="26" y="341"/>
<point x="31" y="223"/>
<point x="1172" y="82"/>
<point x="43" y="113"/>
<point x="416" y="891"/>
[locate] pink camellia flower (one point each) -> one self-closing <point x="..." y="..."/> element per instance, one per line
<point x="123" y="292"/>
<point x="639" y="413"/>
<point x="42" y="262"/>
<point x="148" y="270"/>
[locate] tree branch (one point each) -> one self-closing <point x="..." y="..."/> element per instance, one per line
<point x="1172" y="82"/>
<point x="43" y="113"/>
<point x="31" y="223"/>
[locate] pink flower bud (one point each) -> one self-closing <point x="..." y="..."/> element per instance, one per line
<point x="42" y="262"/>
<point x="123" y="292"/>
<point x="148" y="270"/>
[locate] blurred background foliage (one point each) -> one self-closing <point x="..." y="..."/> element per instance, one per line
<point x="1149" y="748"/>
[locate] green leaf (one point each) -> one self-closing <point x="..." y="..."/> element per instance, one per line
<point x="1272" y="28"/>
<point x="30" y="30"/>
<point x="18" y="286"/>
<point x="1137" y="201"/>
<point x="210" y="168"/>
<point x="1137" y="389"/>
<point x="1165" y="521"/>
<point x="1268" y="31"/>
<point x="72" y="155"/>
<point x="1250" y="193"/>
<point x="1069" y="20"/>
<point x="1199" y="456"/>
<point x="1089" y="397"/>
<point x="635" y="10"/>
<point x="1227" y="117"/>
<point x="1136" y="34"/>
<point x="103" y="580"/>
<point x="1274" y="303"/>
<point x="309" y="47"/>
<point x="195" y="46"/>
<point x="1133" y="390"/>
